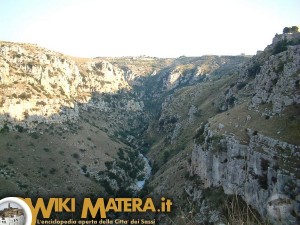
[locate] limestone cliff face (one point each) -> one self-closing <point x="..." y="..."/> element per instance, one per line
<point x="278" y="80"/>
<point x="103" y="77"/>
<point x="269" y="77"/>
<point x="252" y="157"/>
<point x="36" y="66"/>
<point x="38" y="85"/>
<point x="250" y="143"/>
<point x="252" y="170"/>
<point x="191" y="71"/>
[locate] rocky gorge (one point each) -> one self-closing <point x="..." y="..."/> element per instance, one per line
<point x="209" y="126"/>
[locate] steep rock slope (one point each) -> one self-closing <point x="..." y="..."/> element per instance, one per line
<point x="41" y="85"/>
<point x="47" y="118"/>
<point x="80" y="119"/>
<point x="248" y="144"/>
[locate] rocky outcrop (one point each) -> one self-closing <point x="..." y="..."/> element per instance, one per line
<point x="278" y="80"/>
<point x="257" y="171"/>
<point x="286" y="36"/>
<point x="192" y="70"/>
<point x="39" y="85"/>
<point x="262" y="170"/>
<point x="270" y="77"/>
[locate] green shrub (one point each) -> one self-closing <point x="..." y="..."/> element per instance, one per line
<point x="109" y="164"/>
<point x="107" y="187"/>
<point x="42" y="103"/>
<point x="280" y="67"/>
<point x="10" y="160"/>
<point x="254" y="69"/>
<point x="263" y="181"/>
<point x="121" y="154"/>
<point x="52" y="171"/>
<point x="280" y="46"/>
<point x="230" y="101"/>
<point x="76" y="156"/>
<point x="34" y="135"/>
<point x="166" y="156"/>
<point x="4" y="129"/>
<point x="240" y="85"/>
<point x="19" y="128"/>
<point x="24" y="96"/>
<point x="264" y="163"/>
<point x="84" y="168"/>
<point x="46" y="149"/>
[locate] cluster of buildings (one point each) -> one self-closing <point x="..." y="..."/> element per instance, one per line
<point x="12" y="216"/>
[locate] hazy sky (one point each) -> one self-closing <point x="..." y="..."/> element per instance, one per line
<point x="162" y="28"/>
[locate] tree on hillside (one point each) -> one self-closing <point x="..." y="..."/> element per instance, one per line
<point x="293" y="29"/>
<point x="286" y="30"/>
